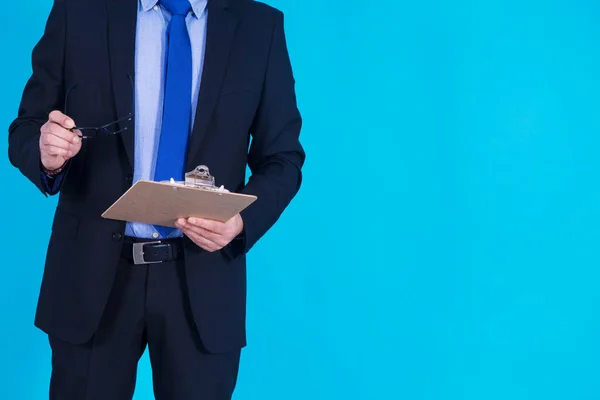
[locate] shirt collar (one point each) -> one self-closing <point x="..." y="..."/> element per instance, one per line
<point x="147" y="4"/>
<point x="198" y="6"/>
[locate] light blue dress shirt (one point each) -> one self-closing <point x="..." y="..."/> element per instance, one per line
<point x="150" y="51"/>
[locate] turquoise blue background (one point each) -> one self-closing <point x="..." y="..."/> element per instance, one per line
<point x="444" y="245"/>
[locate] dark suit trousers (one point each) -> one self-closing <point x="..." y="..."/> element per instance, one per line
<point x="148" y="307"/>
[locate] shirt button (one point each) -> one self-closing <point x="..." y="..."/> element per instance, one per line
<point x="155" y="8"/>
<point x="117" y="236"/>
<point x="155" y="235"/>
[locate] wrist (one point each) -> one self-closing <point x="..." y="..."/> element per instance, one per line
<point x="53" y="172"/>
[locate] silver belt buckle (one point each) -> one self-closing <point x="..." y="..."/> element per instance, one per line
<point x="138" y="253"/>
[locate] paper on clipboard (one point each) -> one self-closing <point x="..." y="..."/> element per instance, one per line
<point x="162" y="203"/>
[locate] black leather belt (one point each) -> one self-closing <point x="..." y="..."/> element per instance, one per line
<point x="147" y="251"/>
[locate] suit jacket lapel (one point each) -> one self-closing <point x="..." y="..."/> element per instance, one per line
<point x="221" y="28"/>
<point x="122" y="18"/>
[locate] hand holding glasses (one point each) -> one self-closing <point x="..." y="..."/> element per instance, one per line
<point x="60" y="140"/>
<point x="58" y="144"/>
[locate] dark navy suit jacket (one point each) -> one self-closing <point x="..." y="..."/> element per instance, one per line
<point x="247" y="116"/>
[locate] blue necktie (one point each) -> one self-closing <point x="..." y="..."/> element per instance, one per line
<point x="177" y="112"/>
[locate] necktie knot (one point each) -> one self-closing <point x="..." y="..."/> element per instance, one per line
<point x="177" y="7"/>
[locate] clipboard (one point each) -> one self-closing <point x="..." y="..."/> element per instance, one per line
<point x="162" y="203"/>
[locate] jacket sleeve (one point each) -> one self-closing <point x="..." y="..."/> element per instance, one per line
<point x="276" y="156"/>
<point x="52" y="184"/>
<point x="43" y="93"/>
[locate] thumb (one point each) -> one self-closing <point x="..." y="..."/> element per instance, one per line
<point x="61" y="119"/>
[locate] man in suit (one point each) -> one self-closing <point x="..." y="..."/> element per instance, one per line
<point x="123" y="90"/>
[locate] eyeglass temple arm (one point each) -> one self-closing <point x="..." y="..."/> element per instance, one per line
<point x="127" y="118"/>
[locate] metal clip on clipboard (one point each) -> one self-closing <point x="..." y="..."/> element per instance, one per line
<point x="201" y="178"/>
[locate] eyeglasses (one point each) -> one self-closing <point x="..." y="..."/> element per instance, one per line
<point x="109" y="129"/>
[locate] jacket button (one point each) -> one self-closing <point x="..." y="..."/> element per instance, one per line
<point x="117" y="236"/>
<point x="129" y="178"/>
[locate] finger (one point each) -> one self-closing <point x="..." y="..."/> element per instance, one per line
<point x="211" y="236"/>
<point x="77" y="133"/>
<point x="52" y="140"/>
<point x="210" y="225"/>
<point x="185" y="223"/>
<point x="61" y="119"/>
<point x="58" y="131"/>
<point x="50" y="145"/>
<point x="198" y="236"/>
<point x="201" y="241"/>
<point x="57" y="151"/>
